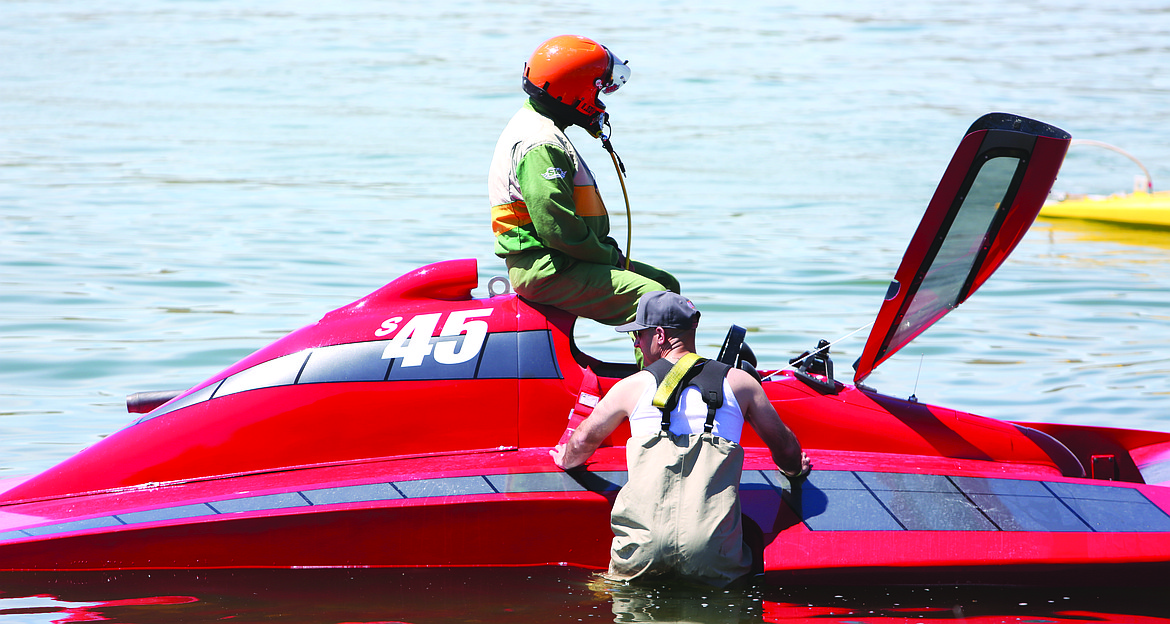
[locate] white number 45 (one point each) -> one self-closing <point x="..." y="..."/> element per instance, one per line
<point x="412" y="343"/>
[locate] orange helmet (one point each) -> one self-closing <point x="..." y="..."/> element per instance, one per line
<point x="568" y="73"/>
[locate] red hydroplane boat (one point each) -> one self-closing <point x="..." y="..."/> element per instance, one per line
<point x="411" y="428"/>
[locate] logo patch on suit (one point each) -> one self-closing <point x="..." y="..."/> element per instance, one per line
<point x="552" y="173"/>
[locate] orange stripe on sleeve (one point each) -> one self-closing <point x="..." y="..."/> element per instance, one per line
<point x="508" y="216"/>
<point x="587" y="202"/>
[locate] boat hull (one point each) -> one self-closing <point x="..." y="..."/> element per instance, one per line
<point x="946" y="520"/>
<point x="1137" y="209"/>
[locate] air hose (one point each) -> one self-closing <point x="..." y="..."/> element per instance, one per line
<point x="621" y="171"/>
<point x="1149" y="180"/>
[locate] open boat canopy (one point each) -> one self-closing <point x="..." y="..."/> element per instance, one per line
<point x="989" y="196"/>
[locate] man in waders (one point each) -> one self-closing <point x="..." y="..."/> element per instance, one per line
<point x="551" y="227"/>
<point x="679" y="513"/>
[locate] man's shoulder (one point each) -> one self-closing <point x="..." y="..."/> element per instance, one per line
<point x="529" y="130"/>
<point x="622" y="398"/>
<point x="632" y="386"/>
<point x="529" y="123"/>
<point x="639" y="378"/>
<point x="743" y="383"/>
<point x="741" y="376"/>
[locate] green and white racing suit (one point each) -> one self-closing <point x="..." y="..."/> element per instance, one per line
<point x="552" y="228"/>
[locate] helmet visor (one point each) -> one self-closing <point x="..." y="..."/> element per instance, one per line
<point x="619" y="74"/>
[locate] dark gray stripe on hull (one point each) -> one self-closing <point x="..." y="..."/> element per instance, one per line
<point x="827" y="501"/>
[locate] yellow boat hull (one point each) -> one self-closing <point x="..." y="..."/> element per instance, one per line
<point x="1139" y="208"/>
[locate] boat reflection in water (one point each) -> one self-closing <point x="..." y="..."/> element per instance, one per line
<point x="524" y="595"/>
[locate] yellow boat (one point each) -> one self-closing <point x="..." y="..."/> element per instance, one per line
<point x="1137" y="208"/>
<point x="1143" y="207"/>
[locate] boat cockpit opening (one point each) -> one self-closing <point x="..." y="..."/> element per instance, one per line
<point x="611" y="354"/>
<point x="597" y="346"/>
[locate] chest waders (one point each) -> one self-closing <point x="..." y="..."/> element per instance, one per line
<point x="679" y="513"/>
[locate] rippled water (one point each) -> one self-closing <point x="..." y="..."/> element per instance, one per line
<point x="183" y="182"/>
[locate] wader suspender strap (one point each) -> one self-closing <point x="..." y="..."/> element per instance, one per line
<point x="710" y="383"/>
<point x="670" y="383"/>
<point x="691" y="370"/>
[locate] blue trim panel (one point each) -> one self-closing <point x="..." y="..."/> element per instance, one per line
<point x="505" y="355"/>
<point x="827" y="501"/>
<point x="871" y="501"/>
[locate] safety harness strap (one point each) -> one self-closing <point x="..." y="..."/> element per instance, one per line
<point x="710" y="383"/>
<point x="667" y="385"/>
<point x="691" y="370"/>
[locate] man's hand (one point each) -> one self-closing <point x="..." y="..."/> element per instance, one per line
<point x="558" y="455"/>
<point x="805" y="468"/>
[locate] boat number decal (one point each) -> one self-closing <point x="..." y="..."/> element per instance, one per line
<point x="412" y="344"/>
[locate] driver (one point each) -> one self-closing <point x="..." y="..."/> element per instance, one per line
<point x="551" y="227"/>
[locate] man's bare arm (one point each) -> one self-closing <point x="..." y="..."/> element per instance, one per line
<point x="607" y="415"/>
<point x="759" y="413"/>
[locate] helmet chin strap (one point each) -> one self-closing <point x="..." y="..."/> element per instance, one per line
<point x="621" y="171"/>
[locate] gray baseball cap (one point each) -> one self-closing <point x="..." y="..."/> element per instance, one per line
<point x="663" y="308"/>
